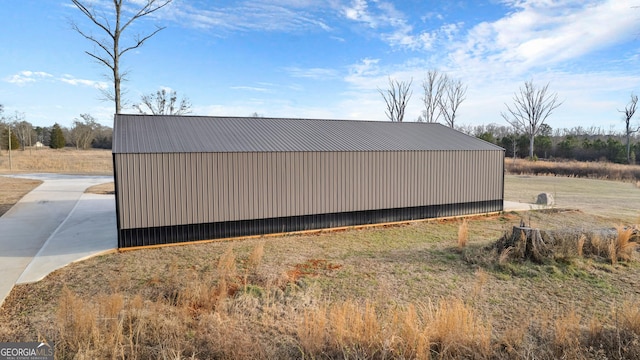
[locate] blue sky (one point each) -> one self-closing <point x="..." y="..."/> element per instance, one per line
<point x="326" y="58"/>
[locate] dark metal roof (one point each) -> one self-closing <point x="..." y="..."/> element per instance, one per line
<point x="183" y="134"/>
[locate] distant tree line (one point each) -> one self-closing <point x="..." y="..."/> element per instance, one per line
<point x="85" y="133"/>
<point x="578" y="143"/>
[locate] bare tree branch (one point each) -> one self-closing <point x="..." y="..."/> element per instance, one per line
<point x="434" y="87"/>
<point x="109" y="49"/>
<point x="532" y="106"/>
<point x="396" y="98"/>
<point x="628" y="112"/>
<point x="163" y="103"/>
<point x="84" y="131"/>
<point x="454" y="95"/>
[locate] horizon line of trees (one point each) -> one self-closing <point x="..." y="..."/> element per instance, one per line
<point x="578" y="143"/>
<point x="85" y="133"/>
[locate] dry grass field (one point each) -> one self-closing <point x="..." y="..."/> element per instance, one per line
<point x="63" y="161"/>
<point x="12" y="190"/>
<point x="590" y="170"/>
<point x="405" y="291"/>
<point x="440" y="289"/>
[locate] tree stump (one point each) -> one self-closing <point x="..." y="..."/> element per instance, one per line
<point x="530" y="243"/>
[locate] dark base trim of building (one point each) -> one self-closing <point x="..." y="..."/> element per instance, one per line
<point x="220" y="230"/>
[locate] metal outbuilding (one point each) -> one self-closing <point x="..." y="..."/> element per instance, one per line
<point x="187" y="178"/>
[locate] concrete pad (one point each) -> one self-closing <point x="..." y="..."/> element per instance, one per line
<point x="29" y="224"/>
<point x="517" y="206"/>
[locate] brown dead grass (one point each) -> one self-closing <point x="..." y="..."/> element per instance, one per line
<point x="64" y="161"/>
<point x="579" y="169"/>
<point x="102" y="189"/>
<point x="396" y="292"/>
<point x="13" y="189"/>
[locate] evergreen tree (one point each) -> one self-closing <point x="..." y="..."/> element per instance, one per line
<point x="15" y="143"/>
<point x="57" y="137"/>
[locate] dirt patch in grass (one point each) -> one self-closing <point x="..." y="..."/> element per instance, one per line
<point x="63" y="161"/>
<point x="102" y="189"/>
<point x="13" y="189"/>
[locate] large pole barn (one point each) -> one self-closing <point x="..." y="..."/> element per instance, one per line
<point x="189" y="178"/>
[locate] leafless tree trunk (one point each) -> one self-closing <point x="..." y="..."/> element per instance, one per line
<point x="23" y="130"/>
<point x="113" y="24"/>
<point x="163" y="103"/>
<point x="628" y="112"/>
<point x="454" y="95"/>
<point x="434" y="86"/>
<point x="396" y="98"/>
<point x="83" y="131"/>
<point x="532" y="106"/>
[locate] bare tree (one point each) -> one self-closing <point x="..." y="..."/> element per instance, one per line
<point x="23" y="130"/>
<point x="434" y="86"/>
<point x="628" y="112"/>
<point x="83" y="131"/>
<point x="396" y="98"/>
<point x="163" y="103"/>
<point x="454" y="95"/>
<point x="113" y="23"/>
<point x="532" y="106"/>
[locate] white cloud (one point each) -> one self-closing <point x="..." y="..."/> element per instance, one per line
<point x="251" y="88"/>
<point x="392" y="25"/>
<point x="312" y="73"/>
<point x="358" y="11"/>
<point x="25" y="77"/>
<point x="71" y="80"/>
<point x="260" y="15"/>
<point x="539" y="34"/>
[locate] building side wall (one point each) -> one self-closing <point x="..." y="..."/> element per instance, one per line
<point x="159" y="190"/>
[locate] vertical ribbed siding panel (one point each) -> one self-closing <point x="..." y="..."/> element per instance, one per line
<point x="158" y="186"/>
<point x="173" y="189"/>
<point x="227" y="188"/>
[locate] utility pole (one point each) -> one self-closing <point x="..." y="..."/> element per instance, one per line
<point x="10" y="163"/>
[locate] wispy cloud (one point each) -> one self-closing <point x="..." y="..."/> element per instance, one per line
<point x="26" y="77"/>
<point x="391" y="25"/>
<point x="312" y="73"/>
<point x="29" y="77"/>
<point x="258" y="15"/>
<point x="251" y="88"/>
<point x="71" y="80"/>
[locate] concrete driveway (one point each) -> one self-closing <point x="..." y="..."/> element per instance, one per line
<point x="52" y="226"/>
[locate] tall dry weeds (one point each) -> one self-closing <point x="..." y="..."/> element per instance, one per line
<point x="624" y="247"/>
<point x="255" y="258"/>
<point x="312" y="330"/>
<point x="630" y="317"/>
<point x="567" y="335"/>
<point x="581" y="242"/>
<point x="463" y="234"/>
<point x="481" y="279"/>
<point x="503" y="258"/>
<point x="457" y="331"/>
<point x="227" y="264"/>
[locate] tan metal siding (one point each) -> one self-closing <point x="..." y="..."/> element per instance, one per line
<point x="173" y="189"/>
